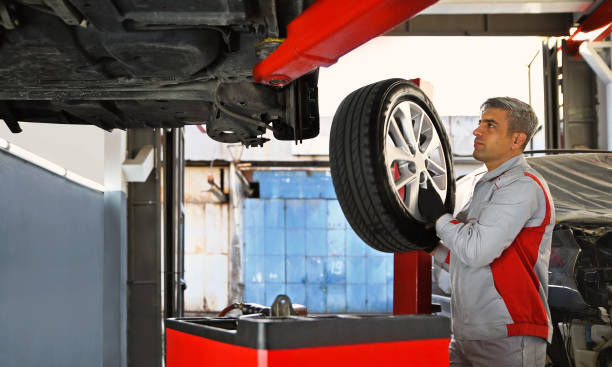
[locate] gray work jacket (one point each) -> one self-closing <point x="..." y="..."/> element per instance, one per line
<point x="497" y="251"/>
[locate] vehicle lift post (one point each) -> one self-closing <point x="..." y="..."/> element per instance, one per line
<point x="412" y="283"/>
<point x="412" y="272"/>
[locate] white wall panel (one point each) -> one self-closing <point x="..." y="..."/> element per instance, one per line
<point x="216" y="229"/>
<point x="206" y="243"/>
<point x="215" y="282"/>
<point x="77" y="148"/>
<point x="194" y="275"/>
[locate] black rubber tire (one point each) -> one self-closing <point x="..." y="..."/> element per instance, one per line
<point x="358" y="169"/>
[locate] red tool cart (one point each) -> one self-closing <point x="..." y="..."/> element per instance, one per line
<point x="338" y="340"/>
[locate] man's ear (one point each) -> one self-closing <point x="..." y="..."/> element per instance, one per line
<point x="518" y="140"/>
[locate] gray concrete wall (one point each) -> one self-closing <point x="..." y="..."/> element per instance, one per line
<point x="115" y="280"/>
<point x="60" y="291"/>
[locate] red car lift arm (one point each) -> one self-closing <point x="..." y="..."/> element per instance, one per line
<point x="329" y="29"/>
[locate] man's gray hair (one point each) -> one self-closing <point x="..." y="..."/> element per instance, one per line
<point x="521" y="117"/>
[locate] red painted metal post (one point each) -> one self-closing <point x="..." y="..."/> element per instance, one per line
<point x="412" y="282"/>
<point x="412" y="271"/>
<point x="596" y="27"/>
<point x="600" y="17"/>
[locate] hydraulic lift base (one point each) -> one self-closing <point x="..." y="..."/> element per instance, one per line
<point x="335" y="340"/>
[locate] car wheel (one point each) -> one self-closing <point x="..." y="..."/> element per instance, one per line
<point x="387" y="141"/>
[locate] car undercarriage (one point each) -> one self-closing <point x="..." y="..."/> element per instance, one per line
<point x="128" y="64"/>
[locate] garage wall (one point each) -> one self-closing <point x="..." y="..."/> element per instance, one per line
<point x="206" y="243"/>
<point x="298" y="242"/>
<point x="78" y="148"/>
<point x="55" y="299"/>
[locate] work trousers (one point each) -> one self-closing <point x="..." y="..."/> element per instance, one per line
<point x="512" y="351"/>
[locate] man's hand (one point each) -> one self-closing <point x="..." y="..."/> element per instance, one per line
<point x="432" y="249"/>
<point x="430" y="240"/>
<point x="430" y="204"/>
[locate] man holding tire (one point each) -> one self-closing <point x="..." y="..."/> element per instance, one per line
<point x="497" y="249"/>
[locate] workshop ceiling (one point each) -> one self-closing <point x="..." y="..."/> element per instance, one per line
<point x="550" y="18"/>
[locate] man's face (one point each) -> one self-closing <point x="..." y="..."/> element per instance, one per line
<point x="493" y="145"/>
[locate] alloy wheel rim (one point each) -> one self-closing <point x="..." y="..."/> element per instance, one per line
<point x="414" y="155"/>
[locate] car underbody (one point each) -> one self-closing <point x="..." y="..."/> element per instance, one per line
<point x="129" y="64"/>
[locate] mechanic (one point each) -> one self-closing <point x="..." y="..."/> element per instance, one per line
<point x="498" y="247"/>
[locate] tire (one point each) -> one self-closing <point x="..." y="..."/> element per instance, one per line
<point x="366" y="158"/>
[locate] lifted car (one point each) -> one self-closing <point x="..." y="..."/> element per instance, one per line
<point x="128" y="64"/>
<point x="239" y="66"/>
